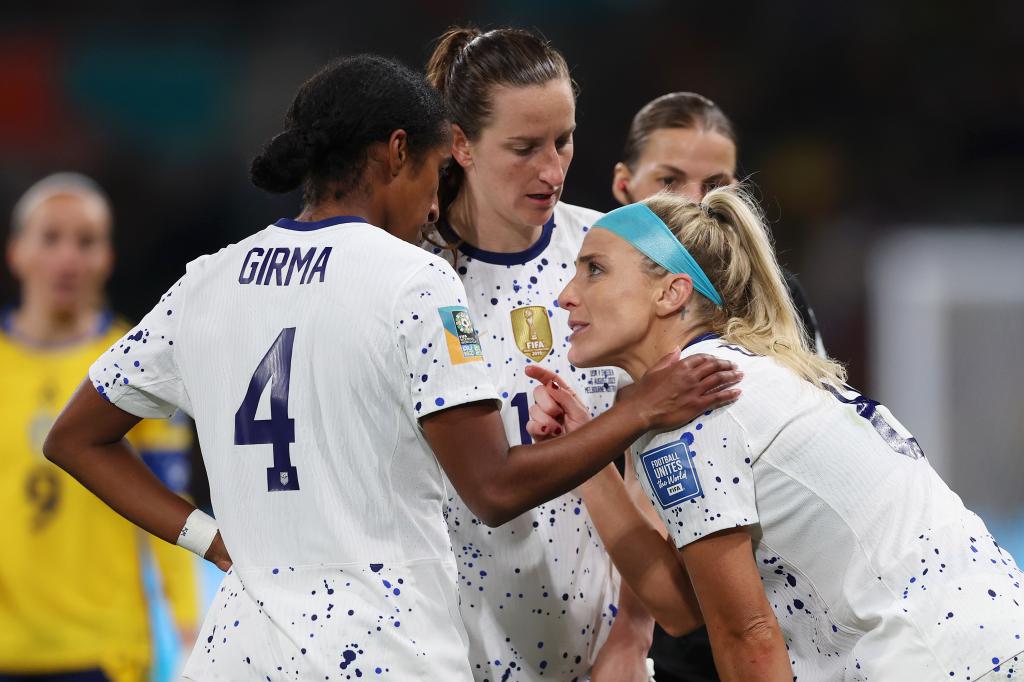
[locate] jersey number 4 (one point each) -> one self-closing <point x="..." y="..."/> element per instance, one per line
<point x="279" y="431"/>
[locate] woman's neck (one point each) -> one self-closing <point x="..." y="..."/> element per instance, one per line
<point x="474" y="221"/>
<point x="39" y="326"/>
<point x="664" y="336"/>
<point x="349" y="206"/>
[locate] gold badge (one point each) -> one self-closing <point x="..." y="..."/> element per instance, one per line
<point x="532" y="331"/>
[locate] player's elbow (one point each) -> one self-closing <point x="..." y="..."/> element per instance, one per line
<point x="62" y="444"/>
<point x="757" y="634"/>
<point x="676" y="623"/>
<point x="495" y="504"/>
<point x="759" y="627"/>
<point x="494" y="517"/>
<point x="55" y="446"/>
<point x="490" y="514"/>
<point x="676" y="616"/>
<point x="752" y="646"/>
<point x="672" y="628"/>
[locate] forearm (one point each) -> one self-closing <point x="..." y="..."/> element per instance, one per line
<point x="117" y="476"/>
<point x="746" y="640"/>
<point x="499" y="483"/>
<point x="648" y="563"/>
<point x="558" y="465"/>
<point x="623" y="656"/>
<point x="634" y="625"/>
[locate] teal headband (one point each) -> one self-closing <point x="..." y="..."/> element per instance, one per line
<point x="642" y="228"/>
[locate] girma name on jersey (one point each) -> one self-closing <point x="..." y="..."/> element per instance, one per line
<point x="280" y="263"/>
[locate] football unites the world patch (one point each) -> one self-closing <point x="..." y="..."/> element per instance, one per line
<point x="460" y="335"/>
<point x="532" y="331"/>
<point x="669" y="470"/>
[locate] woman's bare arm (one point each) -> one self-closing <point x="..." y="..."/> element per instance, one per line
<point x="648" y="562"/>
<point x="88" y="441"/>
<point x="630" y="528"/>
<point x="746" y="640"/>
<point x="499" y="483"/>
<point x="726" y="590"/>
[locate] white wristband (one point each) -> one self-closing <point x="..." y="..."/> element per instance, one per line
<point x="198" y="533"/>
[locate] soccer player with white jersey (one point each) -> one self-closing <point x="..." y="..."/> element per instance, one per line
<point x="820" y="543"/>
<point x="684" y="143"/>
<point x="539" y="594"/>
<point x="335" y="351"/>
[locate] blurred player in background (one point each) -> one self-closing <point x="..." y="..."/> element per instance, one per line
<point x="807" y="529"/>
<point x="539" y="595"/>
<point x="684" y="143"/>
<point x="72" y="601"/>
<point x="346" y="358"/>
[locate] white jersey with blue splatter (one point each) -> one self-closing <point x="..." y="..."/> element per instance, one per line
<point x="307" y="353"/>
<point x="538" y="593"/>
<point x="874" y="568"/>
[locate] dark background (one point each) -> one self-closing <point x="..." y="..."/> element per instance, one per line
<point x="853" y="117"/>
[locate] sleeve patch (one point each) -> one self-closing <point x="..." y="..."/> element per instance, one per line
<point x="460" y="335"/>
<point x="670" y="471"/>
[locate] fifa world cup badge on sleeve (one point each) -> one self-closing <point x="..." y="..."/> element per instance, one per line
<point x="669" y="469"/>
<point x="532" y="331"/>
<point x="460" y="335"/>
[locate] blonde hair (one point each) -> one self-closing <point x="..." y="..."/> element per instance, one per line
<point x="727" y="236"/>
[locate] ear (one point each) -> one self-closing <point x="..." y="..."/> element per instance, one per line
<point x="13" y="254"/>
<point x="398" y="151"/>
<point x="108" y="266"/>
<point x="674" y="295"/>
<point x="461" y="147"/>
<point x="621" y="177"/>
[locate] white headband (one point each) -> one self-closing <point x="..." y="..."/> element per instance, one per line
<point x="50" y="186"/>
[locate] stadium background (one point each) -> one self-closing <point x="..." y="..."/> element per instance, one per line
<point x="884" y="138"/>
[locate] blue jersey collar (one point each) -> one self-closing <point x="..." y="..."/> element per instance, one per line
<point x="706" y="336"/>
<point x="310" y="225"/>
<point x="496" y="257"/>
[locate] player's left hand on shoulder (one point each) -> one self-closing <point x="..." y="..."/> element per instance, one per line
<point x="675" y="391"/>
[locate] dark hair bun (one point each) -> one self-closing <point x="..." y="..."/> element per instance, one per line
<point x="348" y="105"/>
<point x="282" y="164"/>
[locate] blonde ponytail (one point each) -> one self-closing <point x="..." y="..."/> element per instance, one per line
<point x="727" y="236"/>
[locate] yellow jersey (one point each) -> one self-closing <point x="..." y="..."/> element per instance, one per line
<point x="71" y="583"/>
